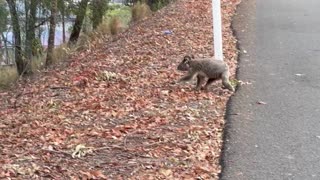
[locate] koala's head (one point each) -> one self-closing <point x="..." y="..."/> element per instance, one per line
<point x="185" y="63"/>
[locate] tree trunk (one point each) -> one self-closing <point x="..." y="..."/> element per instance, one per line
<point x="49" y="59"/>
<point x="99" y="7"/>
<point x="63" y="24"/>
<point x="17" y="37"/>
<point x="62" y="10"/>
<point x="30" y="33"/>
<point x="78" y="22"/>
<point x="7" y="60"/>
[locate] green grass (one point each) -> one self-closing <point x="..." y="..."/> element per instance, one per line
<point x="122" y="12"/>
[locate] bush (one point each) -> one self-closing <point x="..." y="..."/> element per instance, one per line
<point x="140" y="11"/>
<point x="115" y="25"/>
<point x="84" y="41"/>
<point x="38" y="62"/>
<point x="103" y="29"/>
<point x="61" y="53"/>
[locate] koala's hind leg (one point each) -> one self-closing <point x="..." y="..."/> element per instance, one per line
<point x="200" y="80"/>
<point x="225" y="81"/>
<point x="210" y="81"/>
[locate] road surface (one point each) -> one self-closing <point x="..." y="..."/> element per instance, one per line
<point x="273" y="122"/>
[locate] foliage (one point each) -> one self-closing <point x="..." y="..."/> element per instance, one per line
<point x="153" y="4"/>
<point x="140" y="11"/>
<point x="122" y="12"/>
<point x="65" y="6"/>
<point x="116" y="19"/>
<point x="130" y="2"/>
<point x="37" y="48"/>
<point x="98" y="8"/>
<point x="158" y="4"/>
<point x="112" y="7"/>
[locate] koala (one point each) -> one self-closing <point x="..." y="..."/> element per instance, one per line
<point x="205" y="68"/>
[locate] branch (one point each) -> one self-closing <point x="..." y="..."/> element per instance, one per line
<point x="42" y="22"/>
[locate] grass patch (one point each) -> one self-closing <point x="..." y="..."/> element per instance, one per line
<point x="8" y="75"/>
<point x="122" y="12"/>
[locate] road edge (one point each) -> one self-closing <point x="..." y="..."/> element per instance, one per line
<point x="228" y="122"/>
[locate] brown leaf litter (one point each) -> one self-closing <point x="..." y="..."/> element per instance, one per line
<point x="114" y="113"/>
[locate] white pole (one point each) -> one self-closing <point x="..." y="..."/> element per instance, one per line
<point x="217" y="30"/>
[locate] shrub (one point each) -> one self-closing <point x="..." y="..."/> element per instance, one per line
<point x="61" y="53"/>
<point x="38" y="62"/>
<point x="140" y="11"/>
<point x="102" y="30"/>
<point x="84" y="41"/>
<point x="115" y="25"/>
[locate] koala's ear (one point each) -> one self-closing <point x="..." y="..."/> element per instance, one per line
<point x="186" y="59"/>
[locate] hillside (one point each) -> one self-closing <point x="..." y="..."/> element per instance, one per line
<point x="116" y="103"/>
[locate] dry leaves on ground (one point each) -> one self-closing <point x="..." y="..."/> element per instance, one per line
<point x="113" y="112"/>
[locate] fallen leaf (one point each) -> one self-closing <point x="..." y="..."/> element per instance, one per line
<point x="165" y="172"/>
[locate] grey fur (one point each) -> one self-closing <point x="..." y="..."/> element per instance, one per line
<point x="203" y="68"/>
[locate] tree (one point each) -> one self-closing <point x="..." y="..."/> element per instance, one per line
<point x="3" y="26"/>
<point x="81" y="12"/>
<point x="99" y="8"/>
<point x="49" y="59"/>
<point x="3" y="17"/>
<point x="17" y="36"/>
<point x="31" y="11"/>
<point x="64" y="12"/>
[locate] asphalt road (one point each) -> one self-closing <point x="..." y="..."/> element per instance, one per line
<point x="278" y="138"/>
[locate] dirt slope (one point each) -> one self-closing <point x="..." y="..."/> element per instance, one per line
<point x="117" y="100"/>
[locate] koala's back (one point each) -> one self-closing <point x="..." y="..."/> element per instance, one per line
<point x="210" y="68"/>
